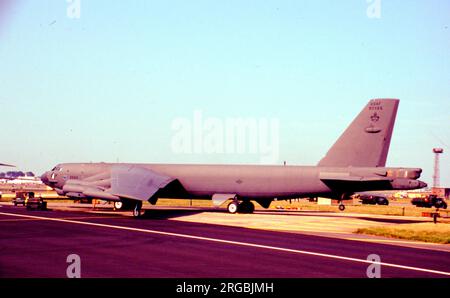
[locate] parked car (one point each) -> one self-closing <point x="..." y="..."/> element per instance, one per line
<point x="373" y="200"/>
<point x="430" y="201"/>
<point x="22" y="197"/>
<point x="34" y="203"/>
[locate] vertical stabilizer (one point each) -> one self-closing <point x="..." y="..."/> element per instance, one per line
<point x="365" y="143"/>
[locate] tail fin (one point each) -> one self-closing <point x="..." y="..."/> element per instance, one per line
<point x="365" y="143"/>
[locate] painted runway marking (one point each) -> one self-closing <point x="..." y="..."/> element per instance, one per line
<point x="18" y="219"/>
<point x="274" y="248"/>
<point x="392" y="241"/>
<point x="45" y="218"/>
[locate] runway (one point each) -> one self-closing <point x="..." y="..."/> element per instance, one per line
<point x="37" y="243"/>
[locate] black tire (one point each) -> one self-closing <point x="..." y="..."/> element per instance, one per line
<point x="342" y="207"/>
<point x="125" y="205"/>
<point x="233" y="207"/>
<point x="383" y="202"/>
<point x="440" y="204"/>
<point x="251" y="207"/>
<point x="246" y="207"/>
<point x="118" y="205"/>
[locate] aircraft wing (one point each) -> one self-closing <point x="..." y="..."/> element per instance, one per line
<point x="121" y="181"/>
<point x="134" y="182"/>
<point x="6" y="165"/>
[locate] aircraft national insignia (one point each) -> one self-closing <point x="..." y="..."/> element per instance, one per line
<point x="375" y="117"/>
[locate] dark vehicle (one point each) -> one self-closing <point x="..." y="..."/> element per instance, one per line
<point x="36" y="204"/>
<point x="19" y="201"/>
<point x="430" y="201"/>
<point x="373" y="200"/>
<point x="22" y="197"/>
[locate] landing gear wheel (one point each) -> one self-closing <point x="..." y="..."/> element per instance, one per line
<point x="341" y="207"/>
<point x="232" y="207"/>
<point x="118" y="205"/>
<point x="441" y="204"/>
<point x="246" y="207"/>
<point x="137" y="209"/>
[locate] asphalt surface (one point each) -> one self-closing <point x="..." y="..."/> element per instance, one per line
<point x="31" y="245"/>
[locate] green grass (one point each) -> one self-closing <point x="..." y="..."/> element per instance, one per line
<point x="305" y="205"/>
<point x="350" y="208"/>
<point x="427" y="232"/>
<point x="184" y="203"/>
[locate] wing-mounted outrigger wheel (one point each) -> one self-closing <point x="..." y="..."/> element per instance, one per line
<point x="137" y="209"/>
<point x="129" y="205"/>
<point x="344" y="197"/>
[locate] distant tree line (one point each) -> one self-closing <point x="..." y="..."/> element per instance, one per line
<point x="15" y="174"/>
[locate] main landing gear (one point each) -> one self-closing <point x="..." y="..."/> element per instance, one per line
<point x="241" y="207"/>
<point x="118" y="205"/>
<point x="134" y="206"/>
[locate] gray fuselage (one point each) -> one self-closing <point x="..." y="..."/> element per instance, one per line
<point x="249" y="181"/>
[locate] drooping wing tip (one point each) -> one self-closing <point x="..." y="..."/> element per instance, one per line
<point x="7" y="165"/>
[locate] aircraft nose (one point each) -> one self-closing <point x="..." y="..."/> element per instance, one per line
<point x="44" y="178"/>
<point x="422" y="184"/>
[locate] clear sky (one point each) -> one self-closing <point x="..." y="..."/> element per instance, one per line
<point x="107" y="86"/>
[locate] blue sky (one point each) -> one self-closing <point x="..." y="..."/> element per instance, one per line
<point x="107" y="86"/>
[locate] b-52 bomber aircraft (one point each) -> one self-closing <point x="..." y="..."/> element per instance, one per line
<point x="355" y="163"/>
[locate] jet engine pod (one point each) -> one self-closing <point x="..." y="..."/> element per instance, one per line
<point x="404" y="173"/>
<point x="401" y="183"/>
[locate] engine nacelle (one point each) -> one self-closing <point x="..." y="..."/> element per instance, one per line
<point x="84" y="190"/>
<point x="403" y="173"/>
<point x="73" y="188"/>
<point x="77" y="195"/>
<point x="405" y="184"/>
